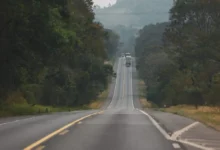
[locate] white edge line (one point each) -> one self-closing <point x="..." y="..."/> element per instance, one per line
<point x="176" y="134"/>
<point x="176" y="145"/>
<point x="162" y="131"/>
<point x="167" y="136"/>
<point x="116" y="83"/>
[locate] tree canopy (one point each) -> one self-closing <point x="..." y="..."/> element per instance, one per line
<point x="51" y="52"/>
<point x="186" y="63"/>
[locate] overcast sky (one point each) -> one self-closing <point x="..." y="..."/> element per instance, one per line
<point x="103" y="3"/>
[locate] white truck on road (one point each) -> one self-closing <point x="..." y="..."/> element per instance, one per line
<point x="128" y="60"/>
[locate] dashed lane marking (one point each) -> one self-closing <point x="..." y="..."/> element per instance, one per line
<point x="176" y="145"/>
<point x="40" y="148"/>
<point x="49" y="136"/>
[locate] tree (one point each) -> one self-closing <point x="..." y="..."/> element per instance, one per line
<point x="52" y="52"/>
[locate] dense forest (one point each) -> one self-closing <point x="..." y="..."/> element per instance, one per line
<point x="180" y="60"/>
<point x="53" y="52"/>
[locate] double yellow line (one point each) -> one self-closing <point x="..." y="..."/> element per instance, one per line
<point x="37" y="143"/>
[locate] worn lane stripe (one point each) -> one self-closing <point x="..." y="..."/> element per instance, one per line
<point x="40" y="148"/>
<point x="58" y="131"/>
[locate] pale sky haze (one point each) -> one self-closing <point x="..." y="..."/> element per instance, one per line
<point x="103" y="3"/>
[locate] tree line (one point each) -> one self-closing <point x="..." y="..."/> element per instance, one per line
<point x="52" y="52"/>
<point x="180" y="60"/>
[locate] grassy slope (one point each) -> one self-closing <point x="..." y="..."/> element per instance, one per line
<point x="96" y="104"/>
<point x="207" y="115"/>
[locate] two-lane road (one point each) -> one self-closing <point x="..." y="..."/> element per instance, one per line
<point x="120" y="126"/>
<point x="123" y="93"/>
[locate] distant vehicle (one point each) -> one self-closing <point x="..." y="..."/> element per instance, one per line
<point x="114" y="75"/>
<point x="122" y="55"/>
<point x="127" y="54"/>
<point x="128" y="61"/>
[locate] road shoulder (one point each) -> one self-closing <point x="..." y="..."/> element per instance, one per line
<point x="186" y="130"/>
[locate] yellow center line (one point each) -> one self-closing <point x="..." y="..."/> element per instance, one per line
<point x="123" y="85"/>
<point x="124" y="82"/>
<point x="64" y="132"/>
<point x="30" y="147"/>
<point x="40" y="148"/>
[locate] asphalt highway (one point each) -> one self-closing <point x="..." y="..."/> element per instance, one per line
<point x="118" y="126"/>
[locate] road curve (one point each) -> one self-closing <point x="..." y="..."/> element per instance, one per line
<point x="121" y="126"/>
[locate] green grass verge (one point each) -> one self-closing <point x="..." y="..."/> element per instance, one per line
<point x="25" y="109"/>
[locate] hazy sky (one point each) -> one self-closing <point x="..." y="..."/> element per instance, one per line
<point x="103" y="3"/>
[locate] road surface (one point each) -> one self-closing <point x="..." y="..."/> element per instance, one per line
<point x="120" y="126"/>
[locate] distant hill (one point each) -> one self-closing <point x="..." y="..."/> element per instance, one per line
<point x="134" y="13"/>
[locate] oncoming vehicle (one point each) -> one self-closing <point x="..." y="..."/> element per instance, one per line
<point x="122" y="55"/>
<point x="128" y="61"/>
<point x="127" y="54"/>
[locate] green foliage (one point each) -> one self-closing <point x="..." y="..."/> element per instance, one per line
<point x="53" y="52"/>
<point x="111" y="42"/>
<point x="184" y="68"/>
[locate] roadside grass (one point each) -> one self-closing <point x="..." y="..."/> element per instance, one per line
<point x="18" y="106"/>
<point x="142" y="96"/>
<point x="26" y="109"/>
<point x="205" y="114"/>
<point x="97" y="104"/>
